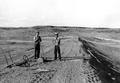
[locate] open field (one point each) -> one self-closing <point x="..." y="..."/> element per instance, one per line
<point x="74" y="68"/>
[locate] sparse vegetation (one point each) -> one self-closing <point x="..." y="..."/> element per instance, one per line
<point x="72" y="68"/>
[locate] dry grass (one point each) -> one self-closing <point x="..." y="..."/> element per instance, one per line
<point x="19" y="42"/>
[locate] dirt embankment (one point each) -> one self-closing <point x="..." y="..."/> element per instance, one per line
<point x="73" y="68"/>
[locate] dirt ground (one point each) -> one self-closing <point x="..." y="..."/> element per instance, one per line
<point x="73" y="68"/>
<point x="69" y="70"/>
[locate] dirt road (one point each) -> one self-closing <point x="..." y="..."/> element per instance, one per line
<point x="73" y="68"/>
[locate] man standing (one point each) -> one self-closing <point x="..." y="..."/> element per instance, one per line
<point x="37" y="40"/>
<point x="57" y="47"/>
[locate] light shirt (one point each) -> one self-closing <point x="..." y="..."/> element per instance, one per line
<point x="37" y="39"/>
<point x="57" y="41"/>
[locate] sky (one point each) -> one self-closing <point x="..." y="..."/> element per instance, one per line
<point x="82" y="13"/>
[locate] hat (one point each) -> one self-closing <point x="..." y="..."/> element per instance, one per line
<point x="56" y="33"/>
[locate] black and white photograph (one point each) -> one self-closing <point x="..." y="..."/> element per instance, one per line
<point x="59" y="41"/>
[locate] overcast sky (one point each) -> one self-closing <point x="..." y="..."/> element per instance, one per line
<point x="85" y="13"/>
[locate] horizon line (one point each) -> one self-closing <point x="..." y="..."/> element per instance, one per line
<point x="62" y="26"/>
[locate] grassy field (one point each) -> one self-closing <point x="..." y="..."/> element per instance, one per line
<point x="18" y="42"/>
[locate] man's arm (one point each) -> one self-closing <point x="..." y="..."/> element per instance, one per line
<point x="34" y="38"/>
<point x="59" y="42"/>
<point x="40" y="39"/>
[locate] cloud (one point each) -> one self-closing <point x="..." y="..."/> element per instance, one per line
<point x="89" y="13"/>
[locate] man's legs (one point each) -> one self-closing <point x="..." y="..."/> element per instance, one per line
<point x="35" y="54"/>
<point x="55" y="53"/>
<point x="38" y="53"/>
<point x="59" y="53"/>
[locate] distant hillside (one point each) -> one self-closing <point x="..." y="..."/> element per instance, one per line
<point x="27" y="33"/>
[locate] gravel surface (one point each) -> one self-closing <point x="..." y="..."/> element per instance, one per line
<point x="68" y="70"/>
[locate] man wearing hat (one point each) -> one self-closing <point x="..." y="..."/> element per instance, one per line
<point x="57" y="47"/>
<point x="37" y="40"/>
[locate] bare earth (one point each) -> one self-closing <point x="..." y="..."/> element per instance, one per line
<point x="73" y="68"/>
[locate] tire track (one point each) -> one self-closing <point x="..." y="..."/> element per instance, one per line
<point x="91" y="73"/>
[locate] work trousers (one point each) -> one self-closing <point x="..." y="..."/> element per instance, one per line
<point x="57" y="51"/>
<point x="37" y="51"/>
